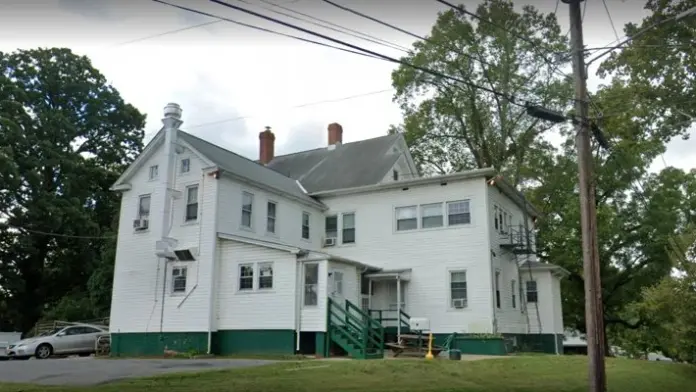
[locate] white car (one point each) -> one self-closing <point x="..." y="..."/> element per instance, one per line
<point x="75" y="339"/>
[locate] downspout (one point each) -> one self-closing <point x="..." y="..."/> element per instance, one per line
<point x="213" y="267"/>
<point x="298" y="303"/>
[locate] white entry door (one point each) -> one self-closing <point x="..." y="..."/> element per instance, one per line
<point x="336" y="286"/>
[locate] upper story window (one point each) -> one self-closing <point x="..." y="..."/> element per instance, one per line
<point x="192" y="203"/>
<point x="431" y="215"/>
<point x="348" y="234"/>
<point x="271" y="217"/>
<point x="311" y="284"/>
<point x="513" y="290"/>
<point x="458" y="289"/>
<point x="395" y="175"/>
<point x="247" y="209"/>
<point x="305" y="225"/>
<point x="154" y="172"/>
<point x="532" y="293"/>
<point x="458" y="213"/>
<point x="185" y="165"/>
<point x="144" y="207"/>
<point x="406" y="218"/>
<point x="502" y="220"/>
<point x="265" y="276"/>
<point x="497" y="289"/>
<point x="331" y="227"/>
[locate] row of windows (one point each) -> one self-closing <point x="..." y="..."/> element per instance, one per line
<point x="190" y="212"/>
<point x="458" y="290"/>
<point x="427" y="216"/>
<point x="502" y="220"/>
<point x="347" y="232"/>
<point x="184" y="167"/>
<point x="271" y="216"/>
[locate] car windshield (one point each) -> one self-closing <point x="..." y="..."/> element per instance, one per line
<point x="51" y="332"/>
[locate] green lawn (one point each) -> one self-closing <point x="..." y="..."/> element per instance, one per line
<point x="529" y="374"/>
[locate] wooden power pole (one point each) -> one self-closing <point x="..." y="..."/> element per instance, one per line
<point x="594" y="317"/>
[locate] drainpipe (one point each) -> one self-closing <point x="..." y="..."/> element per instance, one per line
<point x="213" y="268"/>
<point x="298" y="303"/>
<point x="398" y="308"/>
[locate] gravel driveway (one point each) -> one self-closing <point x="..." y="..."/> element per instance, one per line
<point x="90" y="371"/>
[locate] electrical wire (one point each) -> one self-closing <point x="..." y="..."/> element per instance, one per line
<point x="50" y="234"/>
<point x="329" y="25"/>
<point x="511" y="99"/>
<point x="303" y="105"/>
<point x="611" y="20"/>
<point x="166" y="33"/>
<point x="261" y="28"/>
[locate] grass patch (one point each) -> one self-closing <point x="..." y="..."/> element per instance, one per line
<point x="513" y="374"/>
<point x="269" y="357"/>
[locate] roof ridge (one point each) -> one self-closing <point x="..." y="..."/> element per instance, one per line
<point x="234" y="153"/>
<point x="322" y="148"/>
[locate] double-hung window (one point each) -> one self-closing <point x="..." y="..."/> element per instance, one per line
<point x="185" y="165"/>
<point x="144" y="207"/>
<point x="532" y="293"/>
<point x="458" y="213"/>
<point x="246" y="277"/>
<point x="305" y="225"/>
<point x="311" y="284"/>
<point x="331" y="229"/>
<point x="406" y="218"/>
<point x="348" y="235"/>
<point x="431" y="215"/>
<point x="514" y="294"/>
<point x="271" y="217"/>
<point x="192" y="203"/>
<point x="458" y="293"/>
<point x="265" y="276"/>
<point x="154" y="172"/>
<point x="247" y="209"/>
<point x="179" y="280"/>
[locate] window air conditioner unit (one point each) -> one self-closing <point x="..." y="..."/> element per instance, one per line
<point x="459" y="303"/>
<point x="188" y="254"/>
<point x="330" y="241"/>
<point x="140" y="224"/>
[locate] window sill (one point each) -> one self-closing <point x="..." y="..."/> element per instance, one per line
<point x="191" y="222"/>
<point x="178" y="294"/>
<point x="257" y="291"/>
<point x="449" y="227"/>
<point x="247" y="229"/>
<point x="307" y="240"/>
<point x="455" y="310"/>
<point x="270" y="234"/>
<point x="141" y="231"/>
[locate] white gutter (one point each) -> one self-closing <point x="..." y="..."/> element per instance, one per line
<point x="406" y="183"/>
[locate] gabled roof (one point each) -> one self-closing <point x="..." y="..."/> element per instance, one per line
<point x="237" y="165"/>
<point x="348" y="165"/>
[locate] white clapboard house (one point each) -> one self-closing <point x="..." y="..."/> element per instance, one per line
<point x="328" y="251"/>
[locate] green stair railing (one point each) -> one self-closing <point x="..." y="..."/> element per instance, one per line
<point x="387" y="321"/>
<point x="361" y="336"/>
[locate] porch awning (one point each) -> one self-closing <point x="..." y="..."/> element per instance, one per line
<point x="402" y="274"/>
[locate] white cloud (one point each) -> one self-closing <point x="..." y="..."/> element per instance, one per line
<point x="223" y="71"/>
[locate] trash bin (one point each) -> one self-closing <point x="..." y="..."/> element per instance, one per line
<point x="455" y="355"/>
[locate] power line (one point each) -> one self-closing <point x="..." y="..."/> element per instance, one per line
<point x="294" y="107"/>
<point x="46" y="233"/>
<point x="606" y="7"/>
<point x="511" y="99"/>
<point x="331" y="26"/>
<point x="166" y="33"/>
<point x="262" y="28"/>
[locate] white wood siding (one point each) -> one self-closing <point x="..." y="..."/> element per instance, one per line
<point x="257" y="308"/>
<point x="313" y="318"/>
<point x="288" y="216"/>
<point x="351" y="281"/>
<point x="141" y="285"/>
<point x="557" y="305"/>
<point x="401" y="167"/>
<point x="430" y="253"/>
<point x="544" y="304"/>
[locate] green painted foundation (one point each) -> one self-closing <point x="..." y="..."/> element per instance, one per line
<point x="154" y="343"/>
<point x="254" y="342"/>
<point x="322" y="344"/>
<point x="224" y="342"/>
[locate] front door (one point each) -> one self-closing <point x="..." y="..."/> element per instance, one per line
<point x="336" y="286"/>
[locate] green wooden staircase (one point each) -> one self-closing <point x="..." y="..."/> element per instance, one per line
<point x="361" y="336"/>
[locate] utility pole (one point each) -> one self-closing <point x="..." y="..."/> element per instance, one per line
<point x="594" y="318"/>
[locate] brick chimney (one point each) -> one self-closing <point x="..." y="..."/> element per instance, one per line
<point x="266" y="146"/>
<point x="335" y="134"/>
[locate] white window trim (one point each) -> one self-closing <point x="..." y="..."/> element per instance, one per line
<point x="395" y="218"/>
<point x="171" y="281"/>
<point x="355" y="228"/>
<point x="309" y="226"/>
<point x="304" y="285"/>
<point x="181" y="166"/>
<point x="471" y="215"/>
<point x="496" y="289"/>
<point x="241" y="212"/>
<point x="422" y="216"/>
<point x="186" y="203"/>
<point x="526" y="291"/>
<point x="149" y="173"/>
<point x="338" y="227"/>
<point x="275" y="218"/>
<point x="253" y="277"/>
<point x="140" y="198"/>
<point x="450" y="307"/>
<point x="258" y="276"/>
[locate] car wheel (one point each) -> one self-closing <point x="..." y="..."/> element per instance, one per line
<point x="44" y="351"/>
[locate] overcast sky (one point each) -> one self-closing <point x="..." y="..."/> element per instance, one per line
<point x="231" y="81"/>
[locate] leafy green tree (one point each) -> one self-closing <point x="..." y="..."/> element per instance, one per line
<point x="452" y="126"/>
<point x="65" y="136"/>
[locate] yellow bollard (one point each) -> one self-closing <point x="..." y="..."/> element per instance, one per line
<point x="429" y="355"/>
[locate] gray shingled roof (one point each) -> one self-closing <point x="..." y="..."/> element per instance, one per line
<point x="231" y="162"/>
<point x="349" y="165"/>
